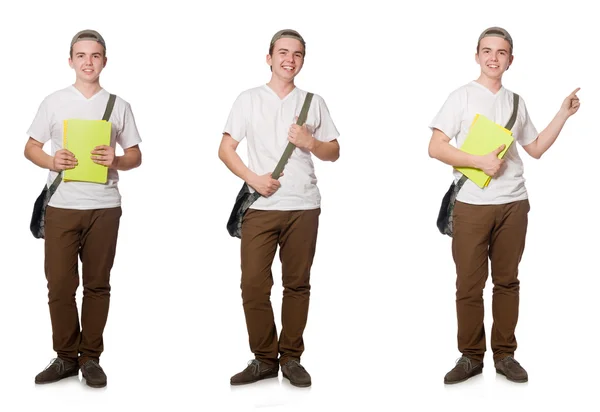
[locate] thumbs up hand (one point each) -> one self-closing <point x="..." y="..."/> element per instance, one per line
<point x="490" y="164"/>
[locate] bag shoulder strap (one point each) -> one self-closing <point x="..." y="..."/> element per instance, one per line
<point x="109" y="107"/>
<point x="509" y="125"/>
<point x="290" y="147"/>
<point x="513" y="117"/>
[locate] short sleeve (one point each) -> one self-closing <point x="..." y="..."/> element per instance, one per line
<point x="236" y="122"/>
<point x="449" y="117"/>
<point x="526" y="132"/>
<point x="128" y="135"/>
<point x="325" y="130"/>
<point x="40" y="129"/>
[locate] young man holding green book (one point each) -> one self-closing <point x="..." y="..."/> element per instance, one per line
<point x="490" y="222"/>
<point x="82" y="218"/>
<point x="287" y="214"/>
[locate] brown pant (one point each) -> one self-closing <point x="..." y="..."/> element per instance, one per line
<point x="496" y="232"/>
<point x="91" y="235"/>
<point x="296" y="234"/>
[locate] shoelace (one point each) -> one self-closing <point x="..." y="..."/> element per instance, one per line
<point x="466" y="361"/>
<point x="59" y="363"/>
<point x="93" y="363"/>
<point x="255" y="366"/>
<point x="508" y="360"/>
<point x="296" y="363"/>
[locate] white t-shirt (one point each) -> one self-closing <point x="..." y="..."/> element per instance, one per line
<point x="70" y="103"/>
<point x="264" y="119"/>
<point x="455" y="118"/>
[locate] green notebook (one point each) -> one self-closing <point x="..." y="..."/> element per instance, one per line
<point x="80" y="137"/>
<point x="484" y="137"/>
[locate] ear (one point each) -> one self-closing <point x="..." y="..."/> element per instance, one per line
<point x="105" y="60"/>
<point x="477" y="58"/>
<point x="71" y="63"/>
<point x="269" y="62"/>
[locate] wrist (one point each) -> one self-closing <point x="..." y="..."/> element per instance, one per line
<point x="562" y="115"/>
<point x="250" y="177"/>
<point x="314" y="143"/>
<point x="115" y="163"/>
<point x="475" y="161"/>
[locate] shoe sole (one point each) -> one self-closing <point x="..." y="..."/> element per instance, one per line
<point x="272" y="375"/>
<point x="510" y="379"/>
<point x="70" y="374"/>
<point x="465" y="379"/>
<point x="94" y="385"/>
<point x="298" y="385"/>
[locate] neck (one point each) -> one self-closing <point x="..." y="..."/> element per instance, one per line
<point x="88" y="89"/>
<point x="492" y="85"/>
<point x="281" y="87"/>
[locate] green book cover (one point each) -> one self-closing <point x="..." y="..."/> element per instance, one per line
<point x="484" y="137"/>
<point x="80" y="137"/>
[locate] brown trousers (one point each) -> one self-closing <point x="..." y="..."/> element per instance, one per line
<point x="90" y="235"/>
<point x="496" y="232"/>
<point x="296" y="234"/>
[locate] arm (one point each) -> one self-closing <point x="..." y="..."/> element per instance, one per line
<point x="441" y="149"/>
<point x="105" y="155"/>
<point x="325" y="151"/>
<point x="549" y="135"/>
<point x="301" y="137"/>
<point x="63" y="159"/>
<point x="132" y="158"/>
<point x="265" y="185"/>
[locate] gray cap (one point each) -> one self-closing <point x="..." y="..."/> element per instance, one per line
<point x="287" y="33"/>
<point x="496" y="32"/>
<point x="88" y="35"/>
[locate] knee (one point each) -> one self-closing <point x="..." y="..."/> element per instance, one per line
<point x="255" y="291"/>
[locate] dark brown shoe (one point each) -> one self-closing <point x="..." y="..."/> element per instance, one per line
<point x="255" y="371"/>
<point x="465" y="368"/>
<point x="297" y="375"/>
<point x="57" y="369"/>
<point x="93" y="374"/>
<point x="510" y="368"/>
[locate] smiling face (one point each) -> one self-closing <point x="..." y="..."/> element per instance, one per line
<point x="494" y="56"/>
<point x="286" y="59"/>
<point x="88" y="60"/>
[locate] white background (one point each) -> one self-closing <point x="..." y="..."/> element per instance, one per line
<point x="382" y="325"/>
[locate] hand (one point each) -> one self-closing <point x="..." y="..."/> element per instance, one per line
<point x="571" y="103"/>
<point x="104" y="155"/>
<point x="301" y="137"/>
<point x="265" y="184"/>
<point x="63" y="160"/>
<point x="489" y="163"/>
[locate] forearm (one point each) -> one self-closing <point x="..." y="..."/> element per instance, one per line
<point x="37" y="156"/>
<point x="234" y="163"/>
<point x="129" y="160"/>
<point x="549" y="135"/>
<point x="450" y="155"/>
<point x="326" y="151"/>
